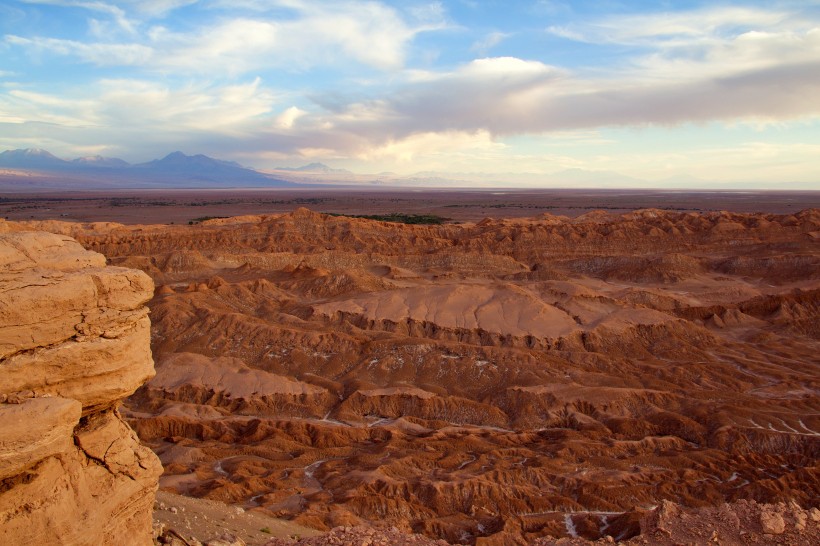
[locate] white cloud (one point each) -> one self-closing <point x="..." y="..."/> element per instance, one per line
<point x="21" y="105"/>
<point x="445" y="145"/>
<point x="488" y="42"/>
<point x="286" y="119"/>
<point x="432" y="13"/>
<point x="99" y="53"/>
<point x="318" y="34"/>
<point x="655" y="28"/>
<point x="227" y="109"/>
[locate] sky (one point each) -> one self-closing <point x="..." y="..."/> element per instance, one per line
<point x="665" y="92"/>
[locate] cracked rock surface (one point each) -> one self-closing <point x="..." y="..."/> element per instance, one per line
<point x="74" y="341"/>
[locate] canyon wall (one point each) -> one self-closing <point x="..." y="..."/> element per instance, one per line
<point x="74" y="342"/>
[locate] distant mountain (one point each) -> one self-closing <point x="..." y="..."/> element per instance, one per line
<point x="190" y="170"/>
<point x="176" y="170"/>
<point x="314" y="168"/>
<point x="179" y="162"/>
<point x="31" y="158"/>
<point x="101" y="162"/>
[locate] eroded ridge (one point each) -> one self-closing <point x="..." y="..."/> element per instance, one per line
<point x="504" y="380"/>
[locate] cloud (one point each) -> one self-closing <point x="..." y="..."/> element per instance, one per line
<point x="321" y="34"/>
<point x="286" y="119"/>
<point x="444" y="145"/>
<point x="310" y="34"/>
<point x="146" y="8"/>
<point x="749" y="161"/>
<point x="157" y="8"/>
<point x="139" y="115"/>
<point x="488" y="42"/>
<point x="21" y="105"/>
<point x="108" y="8"/>
<point x="101" y="54"/>
<point x="200" y="87"/>
<point x="225" y="109"/>
<point x="708" y="65"/>
<point x="669" y="27"/>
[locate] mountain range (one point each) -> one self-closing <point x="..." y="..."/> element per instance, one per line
<point x="314" y="168"/>
<point x="36" y="169"/>
<point x="175" y="170"/>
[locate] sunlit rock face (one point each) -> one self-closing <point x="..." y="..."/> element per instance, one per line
<point x="74" y="341"/>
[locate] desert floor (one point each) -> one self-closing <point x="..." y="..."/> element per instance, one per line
<point x="183" y="206"/>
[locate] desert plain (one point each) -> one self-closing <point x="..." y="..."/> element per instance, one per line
<point x="539" y="364"/>
<point x="180" y="206"/>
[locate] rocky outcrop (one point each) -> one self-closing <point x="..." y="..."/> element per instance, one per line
<point x="74" y="341"/>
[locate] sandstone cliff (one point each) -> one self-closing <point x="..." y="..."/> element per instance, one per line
<point x="74" y="341"/>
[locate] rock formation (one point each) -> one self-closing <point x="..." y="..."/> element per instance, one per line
<point x="505" y="380"/>
<point x="74" y="341"/>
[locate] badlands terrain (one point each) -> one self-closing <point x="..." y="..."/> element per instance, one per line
<point x="491" y="381"/>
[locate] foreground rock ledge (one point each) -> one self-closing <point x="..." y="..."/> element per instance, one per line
<point x="74" y="341"/>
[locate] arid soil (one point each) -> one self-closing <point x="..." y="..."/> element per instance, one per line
<point x="205" y="520"/>
<point x="493" y="382"/>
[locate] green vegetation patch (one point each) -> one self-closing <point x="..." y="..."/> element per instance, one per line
<point x="399" y="218"/>
<point x="203" y="218"/>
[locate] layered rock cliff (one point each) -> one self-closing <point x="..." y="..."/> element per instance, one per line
<point x="74" y="341"/>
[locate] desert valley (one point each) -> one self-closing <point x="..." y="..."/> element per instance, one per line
<point x="504" y="380"/>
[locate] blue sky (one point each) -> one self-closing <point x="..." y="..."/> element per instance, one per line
<point x="720" y="91"/>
